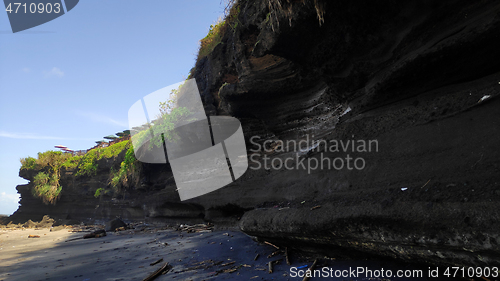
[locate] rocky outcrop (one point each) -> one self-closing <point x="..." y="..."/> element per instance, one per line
<point x="146" y="198"/>
<point x="418" y="78"/>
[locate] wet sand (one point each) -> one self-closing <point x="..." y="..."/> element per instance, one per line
<point x="127" y="255"/>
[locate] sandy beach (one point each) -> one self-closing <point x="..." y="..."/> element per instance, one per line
<point x="134" y="254"/>
<point x="127" y="255"/>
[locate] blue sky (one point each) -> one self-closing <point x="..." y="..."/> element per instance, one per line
<point x="72" y="80"/>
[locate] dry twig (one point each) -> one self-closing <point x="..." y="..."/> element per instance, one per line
<point x="265" y="242"/>
<point x="310" y="269"/>
<point x="156" y="262"/>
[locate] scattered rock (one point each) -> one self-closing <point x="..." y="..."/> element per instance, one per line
<point x="115" y="224"/>
<point x="29" y="224"/>
<point x="57" y="228"/>
<point x="46" y="222"/>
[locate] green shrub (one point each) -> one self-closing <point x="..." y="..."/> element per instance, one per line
<point x="52" y="159"/>
<point x="100" y="191"/>
<point x="72" y="162"/>
<point x="41" y="178"/>
<point x="46" y="181"/>
<point x="164" y="122"/>
<point x="88" y="164"/>
<point x="48" y="159"/>
<point x="213" y="38"/>
<point x="114" y="149"/>
<point x="28" y="163"/>
<point x="128" y="170"/>
<point x="46" y="187"/>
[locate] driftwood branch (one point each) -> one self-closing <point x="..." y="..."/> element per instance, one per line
<point x="307" y="276"/>
<point x="159" y="271"/>
<point x="272" y="263"/>
<point x="156" y="262"/>
<point x="273" y="254"/>
<point x="265" y="242"/>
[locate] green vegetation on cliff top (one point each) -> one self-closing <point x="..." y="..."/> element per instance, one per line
<point x="48" y="164"/>
<point x="48" y="167"/>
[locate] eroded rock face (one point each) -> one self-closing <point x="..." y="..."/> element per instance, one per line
<point x="410" y="75"/>
<point x="419" y="77"/>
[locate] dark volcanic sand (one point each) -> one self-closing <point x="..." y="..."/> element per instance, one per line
<point x="127" y="255"/>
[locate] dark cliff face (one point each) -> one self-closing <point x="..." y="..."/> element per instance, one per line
<point x="407" y="74"/>
<point x="419" y="77"/>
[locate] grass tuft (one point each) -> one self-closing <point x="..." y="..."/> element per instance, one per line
<point x="213" y="38"/>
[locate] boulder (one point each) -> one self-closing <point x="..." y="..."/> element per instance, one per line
<point x="115" y="224"/>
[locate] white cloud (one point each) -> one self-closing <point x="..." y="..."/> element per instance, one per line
<point x="54" y="72"/>
<point x="99" y="118"/>
<point x="10" y="198"/>
<point x="26" y="70"/>
<point x="28" y="136"/>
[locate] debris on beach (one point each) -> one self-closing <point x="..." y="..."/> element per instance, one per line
<point x="316" y="207"/>
<point x="309" y="271"/>
<point x="228" y="267"/>
<point x="272" y="263"/>
<point x="94" y="234"/>
<point x="265" y="242"/>
<point x="484" y="98"/>
<point x="33" y="236"/>
<point x="156" y="262"/>
<point x="274" y="254"/>
<point x="202" y="227"/>
<point x="162" y="270"/>
<point x="57" y="228"/>
<point x="226" y="264"/>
